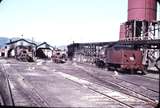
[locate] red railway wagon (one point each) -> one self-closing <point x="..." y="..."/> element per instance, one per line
<point x="122" y="59"/>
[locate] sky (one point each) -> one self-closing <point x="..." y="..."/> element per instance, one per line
<point x="60" y="22"/>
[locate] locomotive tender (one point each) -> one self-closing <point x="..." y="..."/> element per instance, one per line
<point x="121" y="58"/>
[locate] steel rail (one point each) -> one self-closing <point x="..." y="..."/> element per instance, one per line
<point x="96" y="87"/>
<point x="111" y="97"/>
<point x="119" y="85"/>
<point x="30" y="92"/>
<point x="5" y="91"/>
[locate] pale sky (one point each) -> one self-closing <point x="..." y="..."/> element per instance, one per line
<point x="60" y="22"/>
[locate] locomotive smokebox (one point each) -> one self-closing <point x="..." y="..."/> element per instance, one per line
<point x="142" y="10"/>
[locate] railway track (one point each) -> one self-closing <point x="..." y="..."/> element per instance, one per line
<point x="142" y="76"/>
<point x="143" y="92"/>
<point x="95" y="70"/>
<point x="124" y="100"/>
<point x="31" y="95"/>
<point x="151" y="78"/>
<point x="6" y="97"/>
<point x="150" y="89"/>
<point x="118" y="84"/>
<point x="33" y="98"/>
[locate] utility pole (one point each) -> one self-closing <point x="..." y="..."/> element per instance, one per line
<point x="32" y="48"/>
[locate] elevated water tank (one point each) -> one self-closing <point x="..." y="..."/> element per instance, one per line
<point x="142" y="10"/>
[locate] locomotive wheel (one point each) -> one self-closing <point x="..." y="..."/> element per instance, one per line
<point x="100" y="64"/>
<point x="144" y="71"/>
<point x="157" y="65"/>
<point x="132" y="71"/>
<point x="111" y="68"/>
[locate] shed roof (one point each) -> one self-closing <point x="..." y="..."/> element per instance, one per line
<point x="47" y="46"/>
<point x="12" y="42"/>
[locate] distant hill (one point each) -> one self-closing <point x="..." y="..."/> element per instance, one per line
<point x="17" y="38"/>
<point x="62" y="47"/>
<point x="3" y="40"/>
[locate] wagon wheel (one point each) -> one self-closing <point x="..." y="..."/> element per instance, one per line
<point x="144" y="71"/>
<point x="110" y="67"/>
<point x="157" y="65"/>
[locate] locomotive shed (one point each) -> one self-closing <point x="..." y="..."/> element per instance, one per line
<point x="73" y="84"/>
